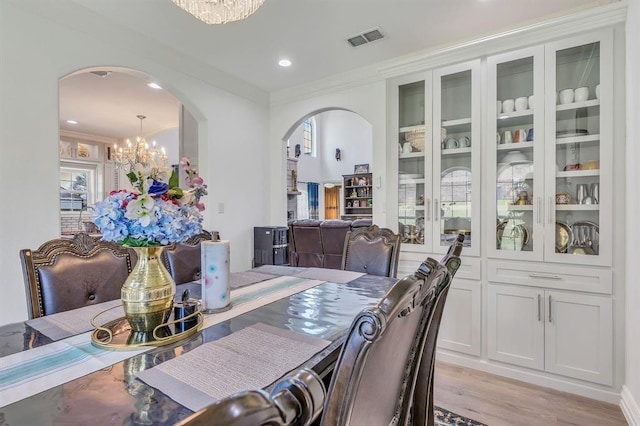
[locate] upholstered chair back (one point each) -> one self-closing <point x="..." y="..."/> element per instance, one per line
<point x="70" y="273"/>
<point x="371" y="250"/>
<point x="182" y="260"/>
<point x="375" y="375"/>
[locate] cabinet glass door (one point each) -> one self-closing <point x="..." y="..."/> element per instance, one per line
<point x="456" y="156"/>
<point x="515" y="135"/>
<point x="413" y="194"/>
<point x="580" y="146"/>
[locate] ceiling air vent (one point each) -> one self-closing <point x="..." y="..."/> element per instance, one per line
<point x="365" y="37"/>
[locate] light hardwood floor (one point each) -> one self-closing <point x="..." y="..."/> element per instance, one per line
<point x="498" y="401"/>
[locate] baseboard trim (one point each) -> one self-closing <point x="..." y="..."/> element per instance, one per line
<point x="595" y="392"/>
<point x="629" y="407"/>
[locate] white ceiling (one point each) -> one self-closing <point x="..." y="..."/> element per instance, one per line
<point x="311" y="33"/>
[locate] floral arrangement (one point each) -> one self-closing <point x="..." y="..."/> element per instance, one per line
<point x="156" y="211"/>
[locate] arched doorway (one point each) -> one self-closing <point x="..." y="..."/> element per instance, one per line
<point x="100" y="107"/>
<point x="340" y="139"/>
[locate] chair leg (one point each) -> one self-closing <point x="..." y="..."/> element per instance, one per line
<point x="431" y="415"/>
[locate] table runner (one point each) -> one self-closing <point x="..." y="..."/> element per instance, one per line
<point x="69" y="323"/>
<point x="333" y="275"/>
<point x="60" y="362"/>
<point x="251" y="358"/>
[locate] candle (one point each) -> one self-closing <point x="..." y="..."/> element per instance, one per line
<point x="215" y="275"/>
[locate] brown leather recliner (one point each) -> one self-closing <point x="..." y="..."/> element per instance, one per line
<point x="320" y="247"/>
<point x="65" y="274"/>
<point x="308" y="243"/>
<point x="333" y="233"/>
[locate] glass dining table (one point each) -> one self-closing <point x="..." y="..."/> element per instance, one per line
<point x="115" y="395"/>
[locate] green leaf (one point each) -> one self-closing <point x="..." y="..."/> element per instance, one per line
<point x="132" y="177"/>
<point x="173" y="180"/>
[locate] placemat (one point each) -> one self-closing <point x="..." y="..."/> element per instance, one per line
<point x="251" y="358"/>
<point x="69" y="323"/>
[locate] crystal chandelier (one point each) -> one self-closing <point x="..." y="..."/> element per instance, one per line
<point x="139" y="153"/>
<point x="219" y="11"/>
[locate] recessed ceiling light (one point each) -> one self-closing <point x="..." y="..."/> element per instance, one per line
<point x="154" y="85"/>
<point x="284" y="63"/>
<point x="72" y="122"/>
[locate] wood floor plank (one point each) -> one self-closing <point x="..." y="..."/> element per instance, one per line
<point x="498" y="401"/>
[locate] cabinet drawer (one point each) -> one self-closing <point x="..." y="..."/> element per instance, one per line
<point x="539" y="274"/>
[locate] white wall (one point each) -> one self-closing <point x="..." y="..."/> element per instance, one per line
<point x="632" y="368"/>
<point x="39" y="47"/>
<point x="170" y="140"/>
<point x="349" y="132"/>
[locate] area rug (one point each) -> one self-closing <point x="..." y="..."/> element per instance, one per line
<point x="447" y="418"/>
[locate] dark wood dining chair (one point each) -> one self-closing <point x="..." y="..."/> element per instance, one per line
<point x="69" y="273"/>
<point x="376" y="372"/>
<point x="182" y="260"/>
<point x="296" y="399"/>
<point x="371" y="250"/>
<point x="422" y="411"/>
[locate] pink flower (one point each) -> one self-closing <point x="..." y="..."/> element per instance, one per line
<point x="200" y="206"/>
<point x="197" y="180"/>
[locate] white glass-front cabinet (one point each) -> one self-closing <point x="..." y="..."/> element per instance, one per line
<point x="438" y="120"/>
<point x="410" y="119"/>
<point x="579" y="104"/>
<point x="515" y="142"/>
<point x="456" y="157"/>
<point x="550" y="151"/>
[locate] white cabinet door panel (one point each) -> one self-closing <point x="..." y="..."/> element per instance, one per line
<point x="579" y="336"/>
<point x="515" y="332"/>
<point x="460" y="326"/>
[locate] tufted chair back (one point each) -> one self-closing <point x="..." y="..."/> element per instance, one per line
<point x="372" y="250"/>
<point x="70" y="273"/>
<point x="182" y="260"/>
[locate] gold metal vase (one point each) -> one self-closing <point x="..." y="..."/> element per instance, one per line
<point x="147" y="296"/>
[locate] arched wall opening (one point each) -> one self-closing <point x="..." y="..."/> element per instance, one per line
<point x="101" y="108"/>
<point x="342" y="139"/>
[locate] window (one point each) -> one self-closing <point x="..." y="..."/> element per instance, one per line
<point x="307" y="136"/>
<point x="77" y="187"/>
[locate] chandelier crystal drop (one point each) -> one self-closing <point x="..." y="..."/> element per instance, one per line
<point x="139" y="153"/>
<point x="219" y="11"/>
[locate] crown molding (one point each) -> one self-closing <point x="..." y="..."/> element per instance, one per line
<point x="86" y="137"/>
<point x="535" y="33"/>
